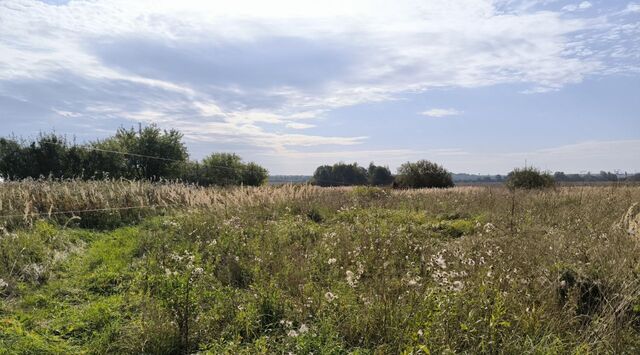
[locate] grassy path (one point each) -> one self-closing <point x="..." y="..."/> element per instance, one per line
<point x="81" y="303"/>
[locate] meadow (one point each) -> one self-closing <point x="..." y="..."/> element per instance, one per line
<point x="168" y="268"/>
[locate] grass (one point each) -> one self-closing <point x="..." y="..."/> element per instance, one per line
<point x="332" y="271"/>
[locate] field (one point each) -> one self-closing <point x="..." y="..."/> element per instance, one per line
<point x="171" y="269"/>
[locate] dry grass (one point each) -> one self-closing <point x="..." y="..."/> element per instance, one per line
<point x="333" y="270"/>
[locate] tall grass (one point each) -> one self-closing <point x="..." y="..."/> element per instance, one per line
<point x="304" y="269"/>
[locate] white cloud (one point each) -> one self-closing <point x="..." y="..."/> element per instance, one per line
<point x="369" y="50"/>
<point x="296" y="125"/>
<point x="441" y="112"/>
<point x="575" y="7"/>
<point x="633" y="7"/>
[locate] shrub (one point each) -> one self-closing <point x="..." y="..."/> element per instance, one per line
<point x="421" y="174"/>
<point x="529" y="178"/>
<point x="379" y="175"/>
<point x="340" y="174"/>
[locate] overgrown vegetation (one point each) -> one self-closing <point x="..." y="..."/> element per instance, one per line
<point x="422" y="174"/>
<point x="305" y="269"/>
<point x="146" y="154"/>
<point x="529" y="178"/>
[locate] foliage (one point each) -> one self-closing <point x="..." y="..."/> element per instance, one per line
<point x="146" y="154"/>
<point x="422" y="174"/>
<point x="303" y="269"/>
<point x="529" y="178"/>
<point x="225" y="169"/>
<point x="340" y="174"/>
<point x="379" y="175"/>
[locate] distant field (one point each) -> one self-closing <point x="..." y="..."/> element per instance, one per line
<point x="130" y="267"/>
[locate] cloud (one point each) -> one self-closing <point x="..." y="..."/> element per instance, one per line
<point x="441" y="112"/>
<point x="632" y="7"/>
<point x="295" y="125"/>
<point x="575" y="7"/>
<point x="246" y="71"/>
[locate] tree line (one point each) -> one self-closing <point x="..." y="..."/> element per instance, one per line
<point x="418" y="174"/>
<point x="148" y="153"/>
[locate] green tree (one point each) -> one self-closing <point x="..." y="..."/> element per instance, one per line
<point x="422" y="174"/>
<point x="379" y="175"/>
<point x="340" y="174"/>
<point x="152" y="153"/>
<point x="221" y="169"/>
<point x="254" y="175"/>
<point x="13" y="160"/>
<point x="529" y="178"/>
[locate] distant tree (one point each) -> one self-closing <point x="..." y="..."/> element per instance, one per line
<point x="560" y="176"/>
<point x="608" y="176"/>
<point x="634" y="178"/>
<point x="379" y="175"/>
<point x="340" y="174"/>
<point x="254" y="175"/>
<point x="323" y="176"/>
<point x="422" y="174"/>
<point x="150" y="152"/>
<point x="529" y="178"/>
<point x="13" y="160"/>
<point x="221" y="169"/>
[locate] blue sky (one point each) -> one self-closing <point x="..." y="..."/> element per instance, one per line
<point x="479" y="86"/>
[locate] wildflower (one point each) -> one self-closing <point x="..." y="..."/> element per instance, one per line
<point x="292" y="333"/>
<point x="489" y="227"/>
<point x="331" y="261"/>
<point x="420" y="332"/>
<point x="457" y="286"/>
<point x="303" y="329"/>
<point x="352" y="279"/>
<point x="414" y="281"/>
<point x="198" y="271"/>
<point x="330" y="297"/>
<point x="3" y="284"/>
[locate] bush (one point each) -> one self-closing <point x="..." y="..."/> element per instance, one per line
<point x="146" y="154"/>
<point x="379" y="175"/>
<point x="529" y="178"/>
<point x="340" y="174"/>
<point x="421" y="174"/>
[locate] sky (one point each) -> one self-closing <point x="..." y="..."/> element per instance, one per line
<point x="478" y="86"/>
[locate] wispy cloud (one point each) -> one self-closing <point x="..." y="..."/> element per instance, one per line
<point x="632" y="7"/>
<point x="250" y="71"/>
<point x="441" y="112"/>
<point x="295" y="125"/>
<point x="575" y="7"/>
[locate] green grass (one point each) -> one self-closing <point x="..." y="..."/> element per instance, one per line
<point x="340" y="271"/>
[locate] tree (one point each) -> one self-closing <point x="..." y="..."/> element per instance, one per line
<point x="379" y="175"/>
<point x="225" y="169"/>
<point x="221" y="169"/>
<point x="166" y="147"/>
<point x="340" y="174"/>
<point x="423" y="173"/>
<point x="529" y="178"/>
<point x="148" y="153"/>
<point x="254" y="175"/>
<point x="13" y="162"/>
